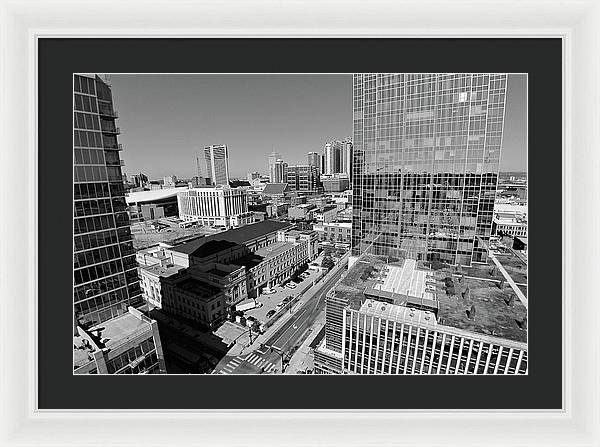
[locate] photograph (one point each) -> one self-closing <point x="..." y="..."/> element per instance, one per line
<point x="300" y="223"/>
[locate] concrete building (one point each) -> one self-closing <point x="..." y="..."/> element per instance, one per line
<point x="217" y="164"/>
<point x="327" y="214"/>
<point x="279" y="172"/>
<point x="334" y="232"/>
<point x="303" y="178"/>
<point x="510" y="219"/>
<point x="333" y="157"/>
<point x="426" y="176"/>
<point x="302" y="212"/>
<point x="186" y="296"/>
<point x="126" y="344"/>
<point x="393" y="318"/>
<point x="150" y="205"/>
<point x="273" y="177"/>
<point x="217" y="206"/>
<point x="314" y="159"/>
<point x="347" y="154"/>
<point x="335" y="183"/>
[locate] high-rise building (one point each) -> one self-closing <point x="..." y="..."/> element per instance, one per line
<point x="105" y="274"/>
<point x="303" y="178"/>
<point x="347" y="149"/>
<point x="314" y="159"/>
<point x="273" y="157"/>
<point x="219" y="206"/>
<point x="333" y="157"/>
<point x="217" y="164"/>
<point x="426" y="158"/>
<point x="109" y="335"/>
<point x="278" y="172"/>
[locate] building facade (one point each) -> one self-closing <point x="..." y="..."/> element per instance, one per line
<point x="382" y="338"/>
<point x="314" y="159"/>
<point x="272" y="158"/>
<point x="332" y="154"/>
<point x="303" y="178"/>
<point x="126" y="344"/>
<point x="105" y="271"/>
<point x="347" y="152"/>
<point x="335" y="183"/>
<point x="426" y="157"/>
<point x="334" y="232"/>
<point x="217" y="164"/>
<point x="217" y="206"/>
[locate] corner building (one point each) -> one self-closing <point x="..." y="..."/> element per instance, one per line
<point x="425" y="166"/>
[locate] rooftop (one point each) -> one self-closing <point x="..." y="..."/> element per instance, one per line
<point x="240" y="235"/>
<point x="397" y="313"/>
<point x="152" y="196"/>
<point x="159" y="270"/>
<point x="275" y="188"/>
<point x="496" y="313"/>
<point x="199" y="288"/>
<point x="118" y="330"/>
<point x="276" y="248"/>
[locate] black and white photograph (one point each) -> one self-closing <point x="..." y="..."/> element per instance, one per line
<point x="296" y="224"/>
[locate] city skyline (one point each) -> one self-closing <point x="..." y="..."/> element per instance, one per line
<point x="254" y="115"/>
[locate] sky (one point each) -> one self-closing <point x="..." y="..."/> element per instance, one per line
<point x="166" y="120"/>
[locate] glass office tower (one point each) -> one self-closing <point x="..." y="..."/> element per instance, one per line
<point x="426" y="158"/>
<point x="105" y="276"/>
<point x="217" y="164"/>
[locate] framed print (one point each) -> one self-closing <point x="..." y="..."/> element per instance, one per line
<point x="342" y="236"/>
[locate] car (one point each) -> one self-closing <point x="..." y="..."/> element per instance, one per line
<point x="290" y="285"/>
<point x="267" y="291"/>
<point x="270" y="313"/>
<point x="279" y="306"/>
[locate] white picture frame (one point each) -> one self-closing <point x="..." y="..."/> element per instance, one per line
<point x="576" y="22"/>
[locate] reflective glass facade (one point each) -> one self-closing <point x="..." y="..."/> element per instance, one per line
<point x="425" y="166"/>
<point x="104" y="265"/>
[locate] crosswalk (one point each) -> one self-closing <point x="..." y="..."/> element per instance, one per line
<point x="251" y="358"/>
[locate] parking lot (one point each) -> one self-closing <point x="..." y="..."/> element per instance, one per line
<point x="270" y="301"/>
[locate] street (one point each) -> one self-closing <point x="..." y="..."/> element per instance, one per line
<point x="284" y="338"/>
<point x="288" y="334"/>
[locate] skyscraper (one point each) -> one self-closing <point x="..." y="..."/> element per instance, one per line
<point x="426" y="158"/>
<point x="346" y="158"/>
<point x="302" y="178"/>
<point x="273" y="157"/>
<point x="105" y="275"/>
<point x="332" y="153"/>
<point x="217" y="163"/>
<point x="110" y="336"/>
<point x="278" y="172"/>
<point x="314" y="159"/>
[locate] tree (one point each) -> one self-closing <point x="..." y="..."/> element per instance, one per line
<point x="327" y="262"/>
<point x="256" y="326"/>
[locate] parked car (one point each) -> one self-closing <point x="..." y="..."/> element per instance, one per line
<point x="270" y="313"/>
<point x="290" y="285"/>
<point x="267" y="291"/>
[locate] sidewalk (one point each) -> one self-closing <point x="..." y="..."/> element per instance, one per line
<point x="308" y="294"/>
<point x="302" y="358"/>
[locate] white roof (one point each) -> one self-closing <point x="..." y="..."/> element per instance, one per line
<point x="155" y="194"/>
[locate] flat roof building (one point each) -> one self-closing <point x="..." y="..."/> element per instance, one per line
<point x="389" y="317"/>
<point x="126" y="344"/>
<point x="217" y="206"/>
<point x="217" y="164"/>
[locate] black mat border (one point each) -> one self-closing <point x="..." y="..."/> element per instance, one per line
<point x="59" y="58"/>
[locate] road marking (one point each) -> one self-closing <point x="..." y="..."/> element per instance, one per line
<point x="222" y="372"/>
<point x="234" y="362"/>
